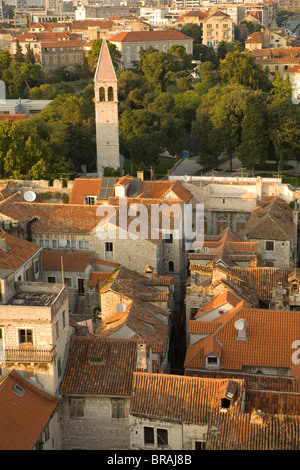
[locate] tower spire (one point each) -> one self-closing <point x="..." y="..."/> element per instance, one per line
<point x="106" y="108"/>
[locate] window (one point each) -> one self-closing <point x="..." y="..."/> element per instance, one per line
<point x="162" y="437"/>
<point x="56" y="330"/>
<point x="25" y="337"/>
<point x="168" y="238"/>
<point x="148" y="436"/>
<point x="269" y="245"/>
<point x="212" y="360"/>
<point x="90" y="200"/>
<point x="108" y="250"/>
<point x="51" y="279"/>
<point x="225" y="403"/>
<point x="59" y="367"/>
<point x="68" y="281"/>
<point x="46" y="433"/>
<point x="54" y="243"/>
<point x="200" y="445"/>
<point x="18" y="390"/>
<point x="36" y="266"/>
<point x="102" y="94"/>
<point x="118" y="409"/>
<point x="171" y="266"/>
<point x="110" y="93"/>
<point x="27" y="276"/>
<point x="209" y="26"/>
<point x="76" y="407"/>
<point x="64" y="319"/>
<point x="225" y="26"/>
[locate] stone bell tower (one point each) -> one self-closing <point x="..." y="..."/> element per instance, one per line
<point x="106" y="108"/>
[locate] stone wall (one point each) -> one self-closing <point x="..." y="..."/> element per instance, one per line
<point x="97" y="430"/>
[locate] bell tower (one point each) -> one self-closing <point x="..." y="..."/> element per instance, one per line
<point x="106" y="109"/>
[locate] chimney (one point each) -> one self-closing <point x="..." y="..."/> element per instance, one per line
<point x="140" y="175"/>
<point x="241" y="327"/>
<point x="149" y="271"/>
<point x="141" y="359"/>
<point x="3" y="244"/>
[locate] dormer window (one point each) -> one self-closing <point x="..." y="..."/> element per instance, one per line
<point x="212" y="361"/>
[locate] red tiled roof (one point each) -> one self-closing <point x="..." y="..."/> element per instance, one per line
<point x="98" y="279"/>
<point x="23" y="418"/>
<point x="113" y="376"/>
<point x="137" y="36"/>
<point x="18" y="251"/>
<point x="105" y="70"/>
<point x="270" y="334"/>
<point x="179" y="398"/>
<point x="84" y="187"/>
<point x="225" y="297"/>
<point x="12" y="117"/>
<point x="51" y="218"/>
<point x="73" y="261"/>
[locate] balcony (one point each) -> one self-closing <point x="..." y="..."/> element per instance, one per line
<point x="27" y="354"/>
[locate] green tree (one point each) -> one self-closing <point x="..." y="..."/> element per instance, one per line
<point x="193" y="31"/>
<point x="241" y="68"/>
<point x="30" y="55"/>
<point x="5" y="61"/>
<point x="159" y="69"/>
<point x="281" y="87"/>
<point x="255" y="140"/>
<point x="19" y="54"/>
<point x="27" y="156"/>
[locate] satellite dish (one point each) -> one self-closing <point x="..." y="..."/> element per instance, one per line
<point x="29" y="196"/>
<point x="121" y="308"/>
<point x="186" y="178"/>
<point x="240" y="324"/>
<point x="63" y="242"/>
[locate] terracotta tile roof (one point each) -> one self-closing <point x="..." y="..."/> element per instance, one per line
<point x="134" y="286"/>
<point x="294" y="69"/>
<point x="85" y="24"/>
<point x="270" y="334"/>
<point x="98" y="279"/>
<point x="179" y="398"/>
<point x="12" y="117"/>
<point x="252" y="381"/>
<point x="51" y="218"/>
<point x="17" y="251"/>
<point x="72" y="261"/>
<point x="141" y="322"/>
<point x="105" y="70"/>
<point x="272" y="221"/>
<point x="137" y="36"/>
<point x="23" y="417"/>
<point x="263" y="279"/>
<point x="225" y="297"/>
<point x="255" y="37"/>
<point x="99" y="367"/>
<point x="273" y="402"/>
<point x="232" y="431"/>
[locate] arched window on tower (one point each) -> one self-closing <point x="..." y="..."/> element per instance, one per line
<point x="102" y="94"/>
<point x="110" y="93"/>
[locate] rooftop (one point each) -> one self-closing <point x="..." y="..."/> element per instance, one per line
<point x="29" y="406"/>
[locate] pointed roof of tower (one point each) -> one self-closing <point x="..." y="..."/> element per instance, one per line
<point x="105" y="70"/>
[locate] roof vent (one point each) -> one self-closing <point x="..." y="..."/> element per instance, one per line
<point x="241" y="326"/>
<point x="18" y="390"/>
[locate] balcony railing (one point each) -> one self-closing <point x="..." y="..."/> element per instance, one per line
<point x="27" y="355"/>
